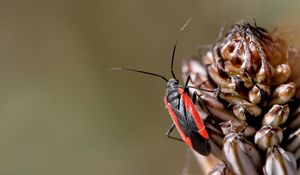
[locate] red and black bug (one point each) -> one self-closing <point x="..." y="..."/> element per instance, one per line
<point x="183" y="111"/>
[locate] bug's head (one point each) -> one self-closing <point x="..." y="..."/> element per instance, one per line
<point x="172" y="83"/>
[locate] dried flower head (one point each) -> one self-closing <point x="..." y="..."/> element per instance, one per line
<point x="254" y="112"/>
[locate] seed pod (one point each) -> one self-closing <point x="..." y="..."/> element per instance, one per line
<point x="231" y="127"/>
<point x="221" y="69"/>
<point x="264" y="88"/>
<point x="265" y="70"/>
<point x="214" y="133"/>
<point x="234" y="126"/>
<point x="283" y="93"/>
<point x="258" y="96"/>
<point x="221" y="169"/>
<point x="297" y="82"/>
<point x="268" y="136"/>
<point x="240" y="112"/>
<point x="277" y="115"/>
<point x="216" y="140"/>
<point x="243" y="48"/>
<point x="294" y="121"/>
<point x="208" y="57"/>
<point x="241" y="155"/>
<point x="251" y="108"/>
<point x="281" y="74"/>
<point x="255" y="95"/>
<point x="226" y="85"/>
<point x="242" y="83"/>
<point x="207" y="163"/>
<point x="195" y="70"/>
<point x="280" y="162"/>
<point x="234" y="71"/>
<point x="294" y="141"/>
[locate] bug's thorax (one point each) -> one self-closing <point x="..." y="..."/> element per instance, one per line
<point x="172" y="92"/>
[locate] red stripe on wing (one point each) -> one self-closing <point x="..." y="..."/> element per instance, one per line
<point x="186" y="139"/>
<point x="190" y="108"/>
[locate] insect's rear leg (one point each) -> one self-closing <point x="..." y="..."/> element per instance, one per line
<point x="168" y="133"/>
<point x="186" y="87"/>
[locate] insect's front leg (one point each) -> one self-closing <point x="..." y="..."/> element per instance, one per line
<point x="211" y="119"/>
<point x="201" y="103"/>
<point x="186" y="87"/>
<point x="168" y="133"/>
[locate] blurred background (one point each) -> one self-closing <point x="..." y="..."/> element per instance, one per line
<point x="62" y="111"/>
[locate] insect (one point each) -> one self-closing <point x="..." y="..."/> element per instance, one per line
<point x="182" y="109"/>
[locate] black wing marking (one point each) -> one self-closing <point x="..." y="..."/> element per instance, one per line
<point x="190" y="129"/>
<point x="181" y="109"/>
<point x="200" y="144"/>
<point x="181" y="118"/>
<point x="185" y="120"/>
<point x="188" y="117"/>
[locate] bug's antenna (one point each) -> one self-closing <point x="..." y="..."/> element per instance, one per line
<point x="144" y="72"/>
<point x="175" y="45"/>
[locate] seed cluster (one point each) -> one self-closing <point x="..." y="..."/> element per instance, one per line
<point x="249" y="82"/>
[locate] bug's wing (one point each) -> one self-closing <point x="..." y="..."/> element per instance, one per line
<point x="185" y="120"/>
<point x="194" y="120"/>
<point x="180" y="123"/>
<point x="180" y="117"/>
<point x="194" y="127"/>
<point x="188" y="127"/>
<point x="184" y="114"/>
<point x="200" y="144"/>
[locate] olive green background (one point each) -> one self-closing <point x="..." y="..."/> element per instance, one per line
<point x="62" y="111"/>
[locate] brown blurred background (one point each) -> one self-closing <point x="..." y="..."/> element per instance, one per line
<point x="63" y="112"/>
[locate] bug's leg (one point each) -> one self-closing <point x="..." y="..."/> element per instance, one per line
<point x="168" y="133"/>
<point x="194" y="97"/>
<point x="186" y="88"/>
<point x="201" y="103"/>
